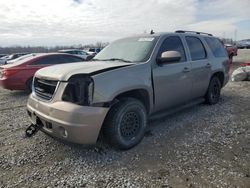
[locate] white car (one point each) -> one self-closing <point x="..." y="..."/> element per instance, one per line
<point x="76" y="52"/>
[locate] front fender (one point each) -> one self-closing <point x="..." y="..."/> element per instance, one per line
<point x="110" y="84"/>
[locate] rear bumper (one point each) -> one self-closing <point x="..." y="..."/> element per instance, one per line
<point x="67" y="121"/>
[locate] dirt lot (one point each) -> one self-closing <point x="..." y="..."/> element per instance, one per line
<point x="203" y="146"/>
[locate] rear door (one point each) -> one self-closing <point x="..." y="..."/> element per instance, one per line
<point x="172" y="81"/>
<point x="201" y="67"/>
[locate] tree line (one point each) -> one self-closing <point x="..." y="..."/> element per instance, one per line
<point x="44" y="49"/>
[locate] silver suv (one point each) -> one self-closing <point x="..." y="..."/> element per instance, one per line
<point x="128" y="82"/>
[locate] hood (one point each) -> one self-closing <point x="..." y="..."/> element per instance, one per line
<point x="63" y="72"/>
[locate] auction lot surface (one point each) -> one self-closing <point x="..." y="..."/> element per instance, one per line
<point x="202" y="146"/>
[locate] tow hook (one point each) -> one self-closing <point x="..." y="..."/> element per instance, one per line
<point x="32" y="130"/>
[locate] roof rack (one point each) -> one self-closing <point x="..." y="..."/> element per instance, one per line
<point x="196" y="32"/>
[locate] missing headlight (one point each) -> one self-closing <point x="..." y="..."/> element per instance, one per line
<point x="79" y="90"/>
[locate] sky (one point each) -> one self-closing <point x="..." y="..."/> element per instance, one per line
<point x="72" y="22"/>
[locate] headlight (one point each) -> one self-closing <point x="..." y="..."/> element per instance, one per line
<point x="79" y="90"/>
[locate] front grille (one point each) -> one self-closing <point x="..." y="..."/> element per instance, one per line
<point x="45" y="89"/>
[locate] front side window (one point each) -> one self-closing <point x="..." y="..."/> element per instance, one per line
<point x="216" y="47"/>
<point x="135" y="49"/>
<point x="196" y="48"/>
<point x="173" y="44"/>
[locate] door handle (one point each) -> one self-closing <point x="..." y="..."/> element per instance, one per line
<point x="208" y="65"/>
<point x="186" y="69"/>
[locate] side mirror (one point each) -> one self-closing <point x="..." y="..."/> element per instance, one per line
<point x="169" y="56"/>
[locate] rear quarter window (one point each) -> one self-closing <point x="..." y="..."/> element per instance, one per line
<point x="216" y="47"/>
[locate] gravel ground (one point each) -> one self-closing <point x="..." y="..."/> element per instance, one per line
<point x="202" y="146"/>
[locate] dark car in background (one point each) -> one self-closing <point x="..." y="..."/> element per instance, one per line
<point x="19" y="74"/>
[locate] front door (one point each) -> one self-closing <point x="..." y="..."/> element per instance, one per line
<point x="172" y="81"/>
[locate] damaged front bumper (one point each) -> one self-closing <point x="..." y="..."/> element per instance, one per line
<point x="67" y="121"/>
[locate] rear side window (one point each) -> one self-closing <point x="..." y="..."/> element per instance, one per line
<point x="56" y="59"/>
<point x="173" y="44"/>
<point x="196" y="48"/>
<point x="216" y="47"/>
<point x="48" y="60"/>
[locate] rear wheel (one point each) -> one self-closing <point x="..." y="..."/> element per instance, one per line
<point x="125" y="124"/>
<point x="213" y="93"/>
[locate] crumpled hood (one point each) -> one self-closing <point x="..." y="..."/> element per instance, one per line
<point x="63" y="72"/>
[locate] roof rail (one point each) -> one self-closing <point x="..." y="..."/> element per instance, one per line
<point x="196" y="32"/>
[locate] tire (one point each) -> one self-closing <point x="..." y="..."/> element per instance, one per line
<point x="125" y="124"/>
<point x="29" y="85"/>
<point x="213" y="93"/>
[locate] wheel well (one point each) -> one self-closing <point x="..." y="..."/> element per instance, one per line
<point x="139" y="94"/>
<point x="220" y="75"/>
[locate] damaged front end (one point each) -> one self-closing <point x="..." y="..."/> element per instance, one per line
<point x="79" y="90"/>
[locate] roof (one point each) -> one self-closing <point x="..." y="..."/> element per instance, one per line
<point x="180" y="32"/>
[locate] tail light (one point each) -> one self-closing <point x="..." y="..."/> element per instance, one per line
<point x="8" y="72"/>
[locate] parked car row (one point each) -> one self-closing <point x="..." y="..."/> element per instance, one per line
<point x="18" y="74"/>
<point x="21" y="67"/>
<point x="86" y="55"/>
<point x="5" y="59"/>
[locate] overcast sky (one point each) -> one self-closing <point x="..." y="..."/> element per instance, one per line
<point x="66" y="22"/>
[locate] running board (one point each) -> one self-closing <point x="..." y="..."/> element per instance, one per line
<point x="173" y="110"/>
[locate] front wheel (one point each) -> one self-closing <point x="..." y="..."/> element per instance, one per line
<point x="213" y="93"/>
<point x="125" y="124"/>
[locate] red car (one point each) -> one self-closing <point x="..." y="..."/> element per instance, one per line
<point x="231" y="51"/>
<point x="19" y="75"/>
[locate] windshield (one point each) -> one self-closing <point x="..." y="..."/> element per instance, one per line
<point x="136" y="49"/>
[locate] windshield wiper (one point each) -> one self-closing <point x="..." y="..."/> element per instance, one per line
<point x="113" y="59"/>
